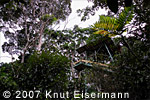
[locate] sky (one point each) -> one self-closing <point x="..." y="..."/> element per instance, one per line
<point x="73" y="19"/>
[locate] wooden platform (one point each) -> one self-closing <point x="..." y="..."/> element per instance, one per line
<point x="82" y="64"/>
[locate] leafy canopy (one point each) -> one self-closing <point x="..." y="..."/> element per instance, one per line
<point x="45" y="71"/>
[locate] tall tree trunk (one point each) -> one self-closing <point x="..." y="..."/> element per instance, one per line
<point x="22" y="57"/>
<point x="41" y="36"/>
<point x="39" y="43"/>
<point x="24" y="51"/>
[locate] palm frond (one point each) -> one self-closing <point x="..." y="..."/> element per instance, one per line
<point x="101" y="32"/>
<point x="124" y="18"/>
<point x="105" y="23"/>
<point x="109" y="25"/>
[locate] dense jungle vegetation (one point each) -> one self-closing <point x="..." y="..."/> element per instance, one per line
<point x="46" y="56"/>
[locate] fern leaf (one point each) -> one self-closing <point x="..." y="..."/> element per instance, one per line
<point x="124" y="18"/>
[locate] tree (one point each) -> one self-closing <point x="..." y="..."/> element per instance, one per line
<point x="45" y="71"/>
<point x="28" y="22"/>
<point x="66" y="42"/>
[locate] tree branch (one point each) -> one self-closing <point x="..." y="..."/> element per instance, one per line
<point x="128" y="46"/>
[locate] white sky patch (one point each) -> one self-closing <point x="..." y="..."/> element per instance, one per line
<point x="73" y="19"/>
<point x="4" y="57"/>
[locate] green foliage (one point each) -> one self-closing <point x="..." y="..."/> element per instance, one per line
<point x="48" y="17"/>
<point x="6" y="80"/>
<point x="28" y="21"/>
<point x="113" y="26"/>
<point x="132" y="74"/>
<point x="105" y="25"/>
<point x="63" y="41"/>
<point x="45" y="71"/>
<point x="125" y="17"/>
